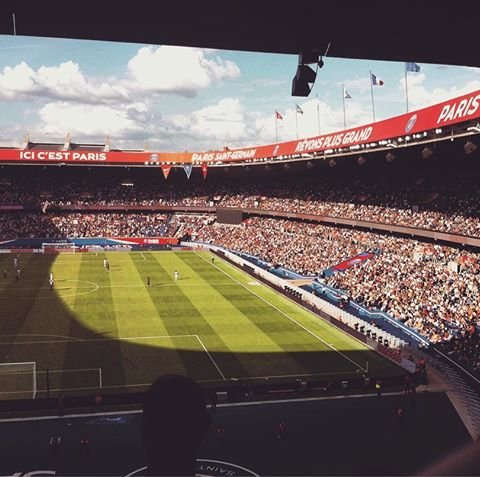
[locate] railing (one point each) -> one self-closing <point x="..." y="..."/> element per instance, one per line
<point x="463" y="385"/>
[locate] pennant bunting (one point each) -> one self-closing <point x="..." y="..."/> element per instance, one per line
<point x="166" y="170"/>
<point x="188" y="170"/>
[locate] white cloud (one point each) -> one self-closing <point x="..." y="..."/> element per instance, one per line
<point x="359" y="85"/>
<point x="223" y="123"/>
<point x="94" y="121"/>
<point x="178" y="70"/>
<point x="64" y="82"/>
<point x="419" y="96"/>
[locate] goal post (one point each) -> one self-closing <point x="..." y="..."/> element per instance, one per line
<point x="18" y="379"/>
<point x="57" y="247"/>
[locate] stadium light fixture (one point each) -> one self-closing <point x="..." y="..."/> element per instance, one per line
<point x="389" y="156"/>
<point x="426" y="152"/>
<point x="469" y="147"/>
<point x="475" y="128"/>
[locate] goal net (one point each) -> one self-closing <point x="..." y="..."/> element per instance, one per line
<point x="18" y="380"/>
<point x="57" y="247"/>
<point x="61" y="380"/>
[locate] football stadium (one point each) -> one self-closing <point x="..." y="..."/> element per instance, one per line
<point x="292" y="304"/>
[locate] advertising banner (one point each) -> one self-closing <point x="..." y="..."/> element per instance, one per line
<point x="447" y="113"/>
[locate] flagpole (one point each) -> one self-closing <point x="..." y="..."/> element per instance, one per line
<point x="276" y="128"/>
<point x="406" y="85"/>
<point x="318" y="116"/>
<point x="344" y="112"/>
<point x="296" y="119"/>
<point x="373" y="102"/>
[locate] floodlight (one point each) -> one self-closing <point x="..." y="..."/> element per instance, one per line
<point x="469" y="147"/>
<point x="475" y="128"/>
<point x="426" y="152"/>
<point x="389" y="157"/>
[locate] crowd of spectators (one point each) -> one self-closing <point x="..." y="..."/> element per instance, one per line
<point x="436" y="204"/>
<point x="434" y="289"/>
<point x="61" y="225"/>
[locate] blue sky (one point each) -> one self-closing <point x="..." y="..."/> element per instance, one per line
<point x="174" y="99"/>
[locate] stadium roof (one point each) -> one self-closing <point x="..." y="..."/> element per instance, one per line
<point x="423" y="31"/>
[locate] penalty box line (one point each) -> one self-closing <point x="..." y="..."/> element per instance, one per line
<point x="283" y="313"/>
<point x="124" y="338"/>
<point x="211" y="357"/>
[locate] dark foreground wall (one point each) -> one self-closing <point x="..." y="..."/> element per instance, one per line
<point x="356" y="436"/>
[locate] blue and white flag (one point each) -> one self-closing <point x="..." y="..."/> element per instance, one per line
<point x="413" y="67"/>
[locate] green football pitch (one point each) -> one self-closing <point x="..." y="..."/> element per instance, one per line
<point x="109" y="329"/>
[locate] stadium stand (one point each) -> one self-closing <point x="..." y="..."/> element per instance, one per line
<point x="432" y="288"/>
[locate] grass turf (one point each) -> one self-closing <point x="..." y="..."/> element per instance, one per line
<point x="213" y="323"/>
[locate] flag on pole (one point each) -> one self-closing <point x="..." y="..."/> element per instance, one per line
<point x="278" y="115"/>
<point x="299" y="109"/>
<point x="413" y="67"/>
<point x="376" y="81"/>
<point x="346" y="95"/>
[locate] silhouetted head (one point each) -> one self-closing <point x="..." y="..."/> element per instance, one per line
<point x="175" y="420"/>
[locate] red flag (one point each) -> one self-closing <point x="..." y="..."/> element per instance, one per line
<point x="204" y="170"/>
<point x="278" y="115"/>
<point x="166" y="170"/>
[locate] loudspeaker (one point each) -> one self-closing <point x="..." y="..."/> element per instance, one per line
<point x="301" y="82"/>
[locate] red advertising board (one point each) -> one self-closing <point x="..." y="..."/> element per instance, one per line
<point x="453" y="111"/>
<point x="147" y="240"/>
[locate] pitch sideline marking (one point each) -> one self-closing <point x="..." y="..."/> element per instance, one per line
<point x="120" y="338"/>
<point x="211" y="358"/>
<point x="143" y="256"/>
<point x="282" y="312"/>
<point x="50" y="336"/>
